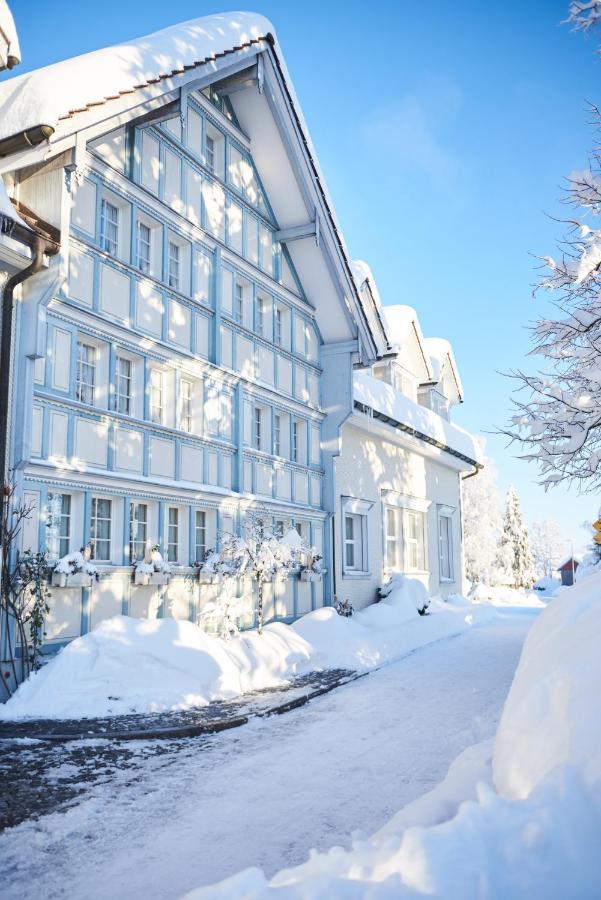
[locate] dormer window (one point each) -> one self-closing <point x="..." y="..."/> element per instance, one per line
<point x="109" y="227"/>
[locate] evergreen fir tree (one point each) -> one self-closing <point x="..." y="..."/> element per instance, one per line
<point x="514" y="558"/>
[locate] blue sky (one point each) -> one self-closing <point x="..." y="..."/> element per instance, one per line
<point x="444" y="131"/>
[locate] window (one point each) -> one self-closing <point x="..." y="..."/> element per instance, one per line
<point x="445" y="541"/>
<point x="200" y="536"/>
<point x="174" y="265"/>
<point x="414" y="540"/>
<point x="143" y="247"/>
<point x="173" y="534"/>
<point x="394" y="544"/>
<point x="277" y="434"/>
<point x="260" y="316"/>
<point x="186" y="405"/>
<point x="278" y="328"/>
<point x="86" y="372"/>
<point x="295" y="441"/>
<point x="123" y="385"/>
<point x="100" y="529"/>
<point x="109" y="227"/>
<point x="138" y="531"/>
<point x="258" y="427"/>
<point x="59" y="525"/>
<point x="353" y="555"/>
<point x="239" y="310"/>
<point x="210" y="153"/>
<point x="156" y="396"/>
<point x="278" y="529"/>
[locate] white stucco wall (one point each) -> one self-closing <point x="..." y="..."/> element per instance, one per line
<point x="370" y="464"/>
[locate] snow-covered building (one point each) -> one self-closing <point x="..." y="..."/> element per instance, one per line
<point x="398" y="475"/>
<point x="189" y="352"/>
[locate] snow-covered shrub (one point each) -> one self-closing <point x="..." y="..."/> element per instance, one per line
<point x="406" y="589"/>
<point x="344" y="607"/>
<point x="153" y="564"/>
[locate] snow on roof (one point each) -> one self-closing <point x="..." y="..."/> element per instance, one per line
<point x="385" y="399"/>
<point x="44" y="96"/>
<point x="400" y="322"/>
<point x="440" y="351"/>
<point x="361" y="273"/>
<point x="7" y="210"/>
<point x="9" y="36"/>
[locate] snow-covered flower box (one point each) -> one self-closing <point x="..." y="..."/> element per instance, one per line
<point x="74" y="570"/>
<point x="310" y="575"/>
<point x="153" y="569"/>
<point x="75" y="580"/>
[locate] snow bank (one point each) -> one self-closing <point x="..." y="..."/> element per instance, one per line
<point x="553" y="713"/>
<point x="536" y="837"/>
<point x="142" y="665"/>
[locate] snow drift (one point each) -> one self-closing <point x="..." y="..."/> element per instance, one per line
<point x="536" y="836"/>
<point x="144" y="665"/>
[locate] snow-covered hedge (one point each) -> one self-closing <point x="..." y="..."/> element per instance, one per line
<point x="141" y="665"/>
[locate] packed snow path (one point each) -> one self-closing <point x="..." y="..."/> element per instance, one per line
<point x="264" y="795"/>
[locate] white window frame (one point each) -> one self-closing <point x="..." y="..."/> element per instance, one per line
<point x="186" y="397"/>
<point x="412" y="543"/>
<point x="95" y="519"/>
<point x="123" y="398"/>
<point x="295" y="443"/>
<point x="393" y="539"/>
<point x="239" y="303"/>
<point x="143" y="262"/>
<point x="174" y="265"/>
<point x="200" y="546"/>
<point x="446" y="514"/>
<point x="109" y="227"/>
<point x="357" y="511"/>
<point x="257" y="427"/>
<point x="138" y="531"/>
<point x="278" y="326"/>
<point x="58" y="534"/>
<point x="260" y="325"/>
<point x="210" y="152"/>
<point x="277" y="434"/>
<point x="173" y="532"/>
<point x="157" y="391"/>
<point x="87" y="367"/>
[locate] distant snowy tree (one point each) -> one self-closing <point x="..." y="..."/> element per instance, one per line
<point x="548" y="547"/>
<point x="514" y="558"/>
<point x="481" y="511"/>
<point x="558" y="412"/>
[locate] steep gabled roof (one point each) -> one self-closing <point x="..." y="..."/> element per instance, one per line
<point x="402" y="324"/>
<point x="59" y="91"/>
<point x="71" y="96"/>
<point x="441" y="356"/>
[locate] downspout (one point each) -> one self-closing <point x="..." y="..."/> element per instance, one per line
<point x="39" y="246"/>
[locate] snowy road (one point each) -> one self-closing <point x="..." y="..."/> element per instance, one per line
<point x="264" y="795"/>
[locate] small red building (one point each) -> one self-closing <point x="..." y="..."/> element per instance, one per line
<point x="567" y="570"/>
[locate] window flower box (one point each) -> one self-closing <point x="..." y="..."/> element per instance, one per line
<point x="310" y="575"/>
<point x="152" y="569"/>
<point x="76" y="580"/>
